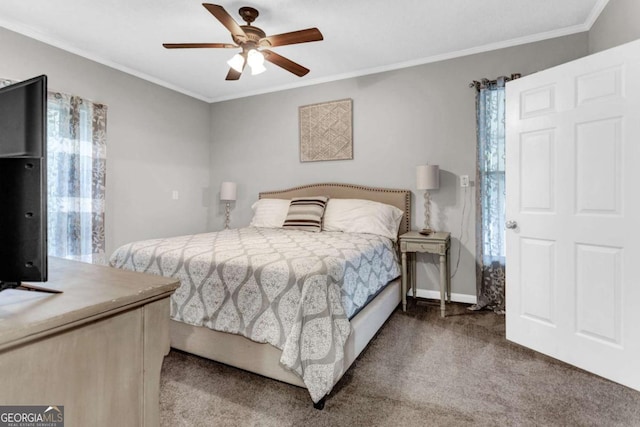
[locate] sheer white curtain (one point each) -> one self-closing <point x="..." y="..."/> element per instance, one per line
<point x="490" y="194"/>
<point x="76" y="160"/>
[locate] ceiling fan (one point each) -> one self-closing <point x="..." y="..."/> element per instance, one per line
<point x="254" y="43"/>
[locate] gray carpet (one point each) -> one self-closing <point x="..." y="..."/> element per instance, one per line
<point x="420" y="370"/>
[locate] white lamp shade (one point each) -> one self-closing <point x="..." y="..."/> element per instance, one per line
<point x="258" y="69"/>
<point x="237" y="62"/>
<point x="228" y="191"/>
<point x="428" y="177"/>
<point x="255" y="59"/>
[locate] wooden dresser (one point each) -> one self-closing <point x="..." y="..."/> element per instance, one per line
<point x="97" y="348"/>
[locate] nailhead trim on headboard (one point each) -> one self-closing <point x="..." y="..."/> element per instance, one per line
<point x="406" y="222"/>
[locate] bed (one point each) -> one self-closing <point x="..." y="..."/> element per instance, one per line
<point x="349" y="320"/>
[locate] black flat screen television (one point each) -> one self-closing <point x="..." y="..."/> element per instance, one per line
<point x="23" y="183"/>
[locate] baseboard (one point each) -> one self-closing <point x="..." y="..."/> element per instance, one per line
<point x="426" y="293"/>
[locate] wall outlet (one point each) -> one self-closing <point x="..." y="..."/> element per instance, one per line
<point x="464" y="180"/>
<point x="174" y="195"/>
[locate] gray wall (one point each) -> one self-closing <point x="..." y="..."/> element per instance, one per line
<point x="158" y="140"/>
<point x="618" y="23"/>
<point x="401" y="119"/>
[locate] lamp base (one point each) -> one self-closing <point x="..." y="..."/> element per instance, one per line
<point x="226" y="220"/>
<point x="426" y="231"/>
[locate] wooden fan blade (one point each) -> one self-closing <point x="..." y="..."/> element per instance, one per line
<point x="233" y="75"/>
<point x="226" y="20"/>
<point x="285" y="63"/>
<point x="294" y="37"/>
<point x="198" y="45"/>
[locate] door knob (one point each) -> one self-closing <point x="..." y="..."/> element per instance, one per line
<point x="511" y="225"/>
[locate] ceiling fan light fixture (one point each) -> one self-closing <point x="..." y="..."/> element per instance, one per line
<point x="249" y="39"/>
<point x="237" y="62"/>
<point x="255" y="59"/>
<point x="258" y="69"/>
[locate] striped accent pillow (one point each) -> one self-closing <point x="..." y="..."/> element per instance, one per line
<point x="305" y="213"/>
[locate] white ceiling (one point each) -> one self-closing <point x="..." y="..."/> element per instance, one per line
<point x="360" y="36"/>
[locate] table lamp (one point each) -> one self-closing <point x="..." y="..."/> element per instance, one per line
<point x="427" y="178"/>
<point x="228" y="195"/>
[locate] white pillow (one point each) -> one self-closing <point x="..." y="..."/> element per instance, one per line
<point x="362" y="216"/>
<point x="269" y="213"/>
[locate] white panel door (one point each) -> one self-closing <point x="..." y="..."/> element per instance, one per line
<point x="573" y="199"/>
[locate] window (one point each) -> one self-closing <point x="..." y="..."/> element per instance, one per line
<point x="491" y="163"/>
<point x="76" y="160"/>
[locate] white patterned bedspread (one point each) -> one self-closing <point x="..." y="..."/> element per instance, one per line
<point x="292" y="289"/>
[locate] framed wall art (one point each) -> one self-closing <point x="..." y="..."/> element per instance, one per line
<point x="326" y="131"/>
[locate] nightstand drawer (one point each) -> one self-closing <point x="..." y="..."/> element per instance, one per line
<point x="434" y="247"/>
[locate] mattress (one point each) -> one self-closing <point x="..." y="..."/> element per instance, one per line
<point x="292" y="289"/>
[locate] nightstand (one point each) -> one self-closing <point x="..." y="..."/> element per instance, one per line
<point x="435" y="243"/>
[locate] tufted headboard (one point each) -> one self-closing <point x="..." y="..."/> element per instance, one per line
<point x="394" y="197"/>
